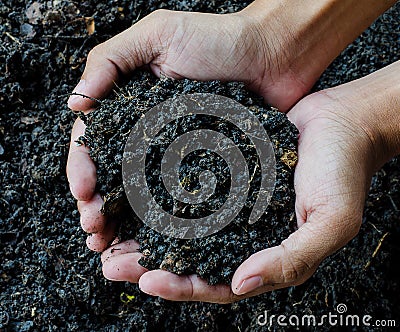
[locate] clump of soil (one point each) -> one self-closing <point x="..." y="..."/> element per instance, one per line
<point x="213" y="257"/>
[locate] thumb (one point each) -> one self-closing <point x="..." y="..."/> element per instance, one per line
<point x="293" y="261"/>
<point x="118" y="56"/>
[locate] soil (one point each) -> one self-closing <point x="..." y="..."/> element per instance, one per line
<point x="213" y="257"/>
<point x="50" y="281"/>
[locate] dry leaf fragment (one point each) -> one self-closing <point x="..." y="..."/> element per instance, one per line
<point x="90" y="27"/>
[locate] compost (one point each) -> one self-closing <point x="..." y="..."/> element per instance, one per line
<point x="50" y="281"/>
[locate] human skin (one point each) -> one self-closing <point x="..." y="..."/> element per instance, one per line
<point x="343" y="131"/>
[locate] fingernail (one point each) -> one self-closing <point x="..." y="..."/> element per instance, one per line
<point x="80" y="88"/>
<point x="249" y="284"/>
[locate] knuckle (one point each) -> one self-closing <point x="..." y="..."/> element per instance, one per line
<point x="349" y="217"/>
<point x="160" y="13"/>
<point x="294" y="267"/>
<point x="344" y="225"/>
<point x="162" y="19"/>
<point x="95" y="52"/>
<point x="289" y="273"/>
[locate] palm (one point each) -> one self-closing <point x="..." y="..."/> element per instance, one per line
<point x="333" y="173"/>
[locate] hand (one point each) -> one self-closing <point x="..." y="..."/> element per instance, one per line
<point x="251" y="46"/>
<point x="167" y="42"/>
<point x="346" y="133"/>
<point x="177" y="44"/>
<point x="81" y="174"/>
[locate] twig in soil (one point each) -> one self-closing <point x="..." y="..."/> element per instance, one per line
<point x="138" y="16"/>
<point x="121" y="91"/>
<point x="374" y="227"/>
<point x="13" y="38"/>
<point x="5" y="201"/>
<point x="82" y="95"/>
<point x="355" y="292"/>
<point x="393" y="203"/>
<point x="64" y="37"/>
<point x="376" y="249"/>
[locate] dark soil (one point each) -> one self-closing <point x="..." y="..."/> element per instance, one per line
<point x="214" y="257"/>
<point x="50" y="281"/>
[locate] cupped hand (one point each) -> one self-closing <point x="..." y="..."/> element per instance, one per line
<point x="81" y="173"/>
<point x="339" y="148"/>
<point x="177" y="44"/>
<point x="252" y="46"/>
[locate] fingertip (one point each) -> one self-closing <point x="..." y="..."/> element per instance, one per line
<point x="123" y="267"/>
<point x="79" y="103"/>
<point x="174" y="287"/>
<point x="95" y="243"/>
<point x="120" y="248"/>
<point x="260" y="263"/>
<point x="161" y="283"/>
<point x="92" y="220"/>
<point x="101" y="241"/>
<point x="248" y="285"/>
<point x="78" y="100"/>
<point x="81" y="171"/>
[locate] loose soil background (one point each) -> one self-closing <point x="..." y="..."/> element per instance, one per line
<point x="50" y="281"/>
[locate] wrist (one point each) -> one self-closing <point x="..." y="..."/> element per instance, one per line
<point x="384" y="85"/>
<point x="373" y="104"/>
<point x="299" y="31"/>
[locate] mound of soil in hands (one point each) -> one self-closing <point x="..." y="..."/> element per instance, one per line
<point x="213" y="257"/>
<point x="50" y="281"/>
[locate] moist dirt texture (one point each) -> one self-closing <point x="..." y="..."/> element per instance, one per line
<point x="214" y="257"/>
<point x="50" y="281"/>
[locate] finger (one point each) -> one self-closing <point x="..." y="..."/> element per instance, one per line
<point x="124" y="267"/>
<point x="130" y="246"/>
<point x="100" y="241"/>
<point x="184" y="288"/>
<point x="288" y="264"/>
<point x="92" y="220"/>
<point x="118" y="56"/>
<point x="81" y="171"/>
